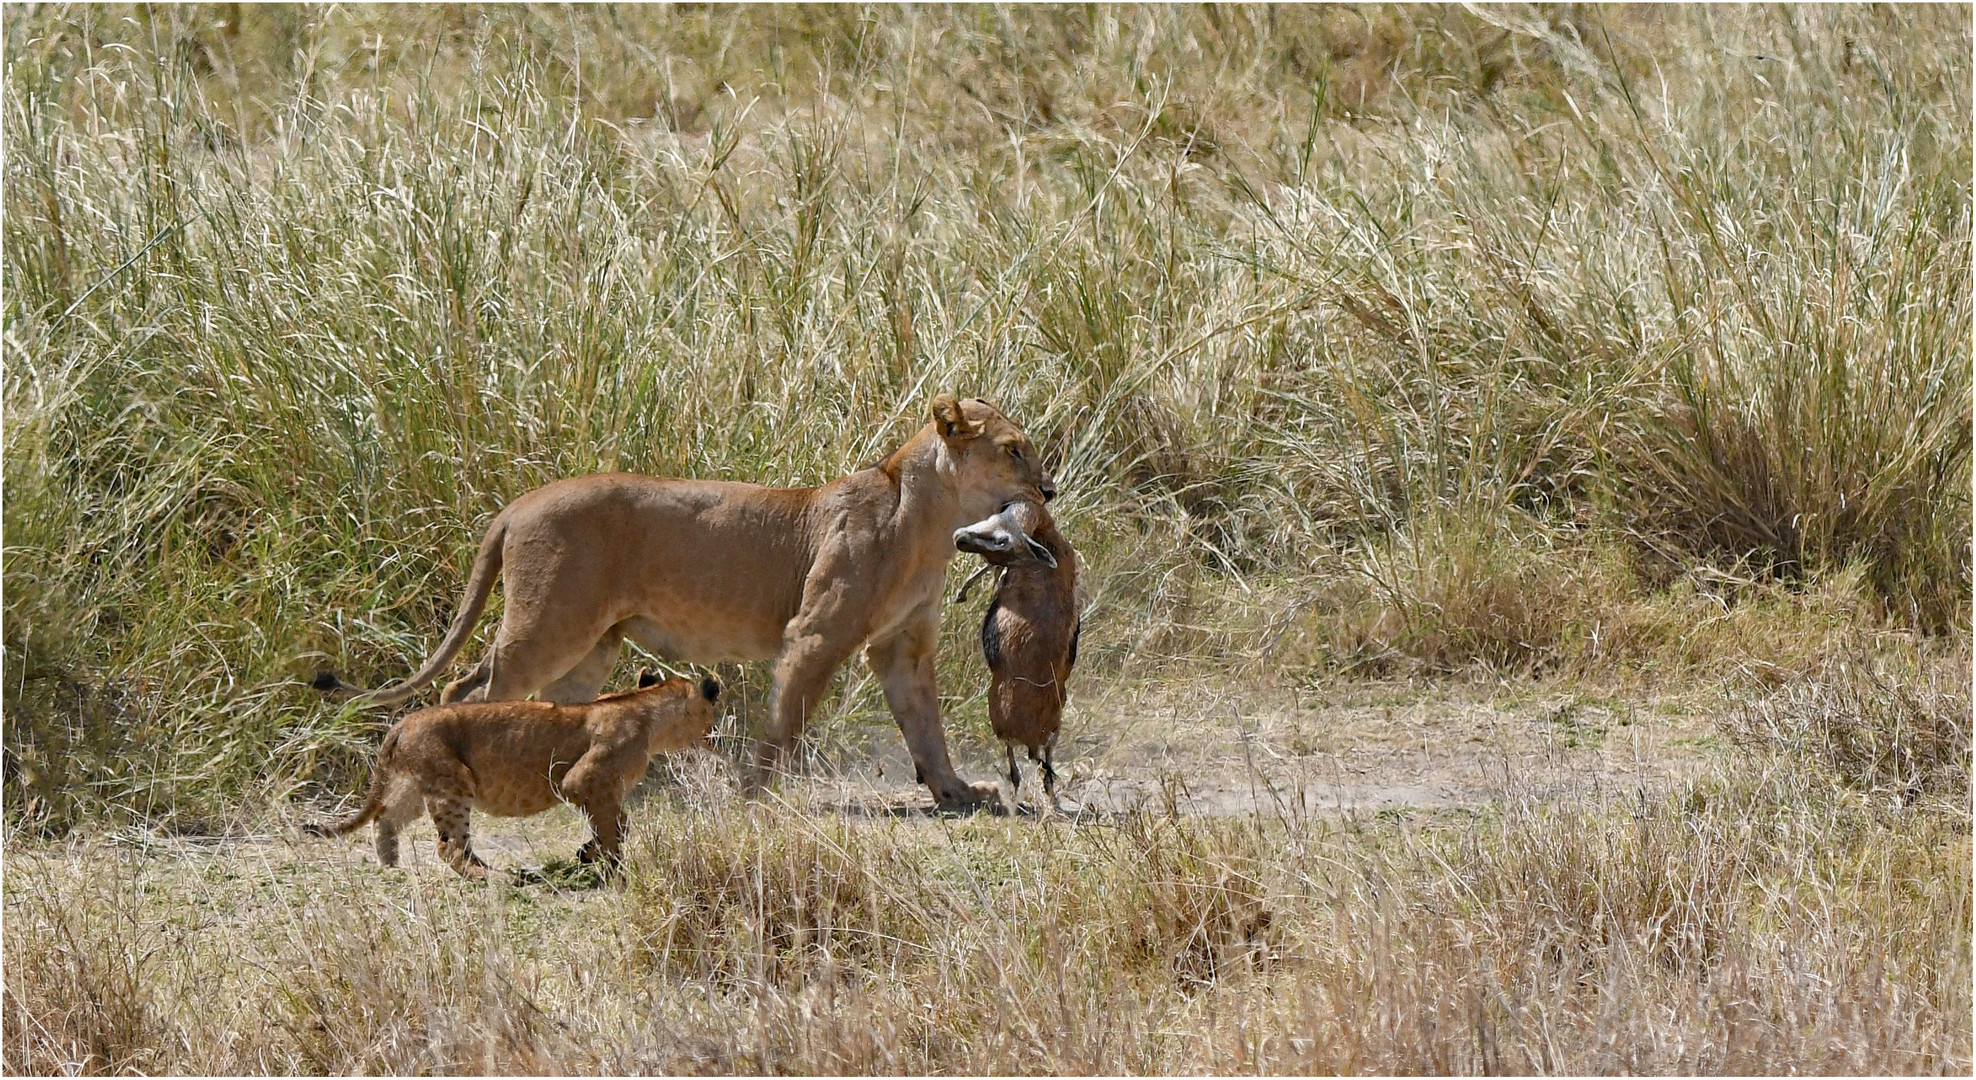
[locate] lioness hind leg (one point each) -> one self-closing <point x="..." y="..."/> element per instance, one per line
<point x="583" y="682"/>
<point x="802" y="676"/>
<point x="462" y="689"/>
<point x="526" y="665"/>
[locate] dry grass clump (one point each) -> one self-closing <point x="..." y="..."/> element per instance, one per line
<point x="1679" y="934"/>
<point x="199" y="967"/>
<point x="1885" y="721"/>
<point x="1818" y="432"/>
<point x="1766" y="922"/>
<point x="1454" y="592"/>
<point x="741" y="894"/>
<point x="1497" y="593"/>
<point x="393" y="1003"/>
<point x="84" y="998"/>
<point x="1200" y="910"/>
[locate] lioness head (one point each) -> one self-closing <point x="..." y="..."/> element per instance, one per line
<point x="1004" y="539"/>
<point x="994" y="461"/>
<point x="680" y="711"/>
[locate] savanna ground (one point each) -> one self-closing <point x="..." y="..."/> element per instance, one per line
<point x="1520" y="458"/>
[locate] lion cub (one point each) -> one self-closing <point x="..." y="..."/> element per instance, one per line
<point x="516" y="758"/>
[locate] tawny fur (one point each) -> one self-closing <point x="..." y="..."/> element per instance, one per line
<point x="1029" y="635"/>
<point x="703" y="571"/>
<point x="516" y="758"/>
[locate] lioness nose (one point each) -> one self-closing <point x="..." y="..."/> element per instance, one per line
<point x="1049" y="489"/>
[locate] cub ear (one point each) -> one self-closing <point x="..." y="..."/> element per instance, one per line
<point x="709" y="688"/>
<point x="647" y="677"/>
<point x="953" y="424"/>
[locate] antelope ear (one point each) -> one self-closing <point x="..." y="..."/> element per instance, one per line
<point x="1041" y="553"/>
<point x="647" y="677"/>
<point x="953" y="424"/>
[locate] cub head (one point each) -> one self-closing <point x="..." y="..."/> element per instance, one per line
<point x="994" y="462"/>
<point x="681" y="711"/>
<point x="1005" y="539"/>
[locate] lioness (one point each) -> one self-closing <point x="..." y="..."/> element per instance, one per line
<point x="516" y="758"/>
<point x="702" y="571"/>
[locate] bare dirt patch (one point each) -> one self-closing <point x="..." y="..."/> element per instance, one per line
<point x="1216" y="750"/>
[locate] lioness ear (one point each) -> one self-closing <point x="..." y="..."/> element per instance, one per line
<point x="647" y="677"/>
<point x="709" y="688"/>
<point x="952" y="423"/>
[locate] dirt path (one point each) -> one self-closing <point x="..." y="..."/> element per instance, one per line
<point x="1367" y="749"/>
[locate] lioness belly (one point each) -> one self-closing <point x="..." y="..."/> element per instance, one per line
<point x="680" y="637"/>
<point x="695" y="571"/>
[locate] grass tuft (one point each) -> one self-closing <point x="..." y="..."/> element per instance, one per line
<point x="1880" y="721"/>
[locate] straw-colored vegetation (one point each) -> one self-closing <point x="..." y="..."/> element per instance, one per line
<point x="1775" y="922"/>
<point x="1625" y="346"/>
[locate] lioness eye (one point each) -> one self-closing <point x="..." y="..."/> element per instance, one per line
<point x="1015" y="452"/>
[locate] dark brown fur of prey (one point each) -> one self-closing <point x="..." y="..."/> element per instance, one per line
<point x="1029" y="637"/>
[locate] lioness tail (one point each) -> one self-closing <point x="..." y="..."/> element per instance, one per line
<point x="486" y="568"/>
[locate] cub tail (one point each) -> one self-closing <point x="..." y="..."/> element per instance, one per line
<point x="373" y="799"/>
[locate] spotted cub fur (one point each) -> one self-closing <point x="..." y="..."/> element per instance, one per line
<point x="516" y="758"/>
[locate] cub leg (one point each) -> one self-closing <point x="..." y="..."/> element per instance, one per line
<point x="449" y="814"/>
<point x="607" y="824"/>
<point x="400" y="809"/>
<point x="597" y="784"/>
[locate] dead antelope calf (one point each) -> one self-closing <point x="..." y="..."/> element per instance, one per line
<point x="1029" y="635"/>
<point x="515" y="758"/>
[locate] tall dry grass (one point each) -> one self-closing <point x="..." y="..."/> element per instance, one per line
<point x="1880" y="721"/>
<point x="1441" y="335"/>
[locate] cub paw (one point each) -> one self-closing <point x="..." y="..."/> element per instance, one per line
<point x="970" y="796"/>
